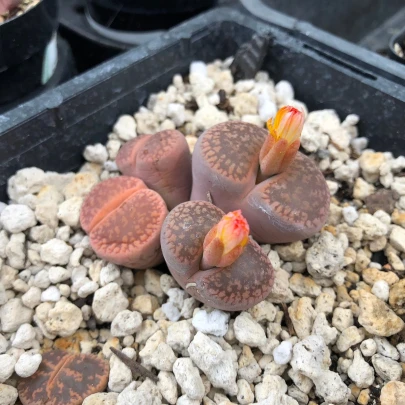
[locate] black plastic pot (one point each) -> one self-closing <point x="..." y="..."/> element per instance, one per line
<point x="144" y="15"/>
<point x="89" y="48"/>
<point x="51" y="131"/>
<point x="65" y="70"/>
<point x="400" y="40"/>
<point x="28" y="51"/>
<point x="93" y="43"/>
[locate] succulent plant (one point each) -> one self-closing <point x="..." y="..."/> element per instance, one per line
<point x="281" y="192"/>
<point x="162" y="161"/>
<point x="212" y="257"/>
<point x="123" y="219"/>
<point x="64" y="378"/>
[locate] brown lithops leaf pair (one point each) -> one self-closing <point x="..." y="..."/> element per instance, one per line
<point x="162" y="161"/>
<point x="280" y="191"/>
<point x="212" y="257"/>
<point x="124" y="215"/>
<point x="64" y="379"/>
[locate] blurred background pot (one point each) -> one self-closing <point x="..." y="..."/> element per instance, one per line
<point x="145" y="15"/>
<point x="98" y="30"/>
<point x="32" y="56"/>
<point x="136" y="21"/>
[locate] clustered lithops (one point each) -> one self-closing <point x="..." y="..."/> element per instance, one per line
<point x="258" y="177"/>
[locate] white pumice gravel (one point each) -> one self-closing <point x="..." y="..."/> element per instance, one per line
<point x="282" y="354"/>
<point x="213" y="323"/>
<point x="27" y="364"/>
<point x="344" y="288"/>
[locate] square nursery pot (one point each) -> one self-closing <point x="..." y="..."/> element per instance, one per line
<point x="51" y="131"/>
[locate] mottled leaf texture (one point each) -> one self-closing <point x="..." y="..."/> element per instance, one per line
<point x="64" y="379"/>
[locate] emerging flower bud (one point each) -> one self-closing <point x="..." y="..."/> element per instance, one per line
<point x="283" y="142"/>
<point x="225" y="242"/>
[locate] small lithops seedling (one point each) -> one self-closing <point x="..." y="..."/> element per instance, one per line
<point x="64" y="379"/>
<point x="280" y="191"/>
<point x="123" y="219"/>
<point x="212" y="257"/>
<point x="162" y="161"/>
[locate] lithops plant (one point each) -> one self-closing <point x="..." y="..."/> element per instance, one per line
<point x="162" y="161"/>
<point x="64" y="379"/>
<point x="280" y="191"/>
<point x="212" y="257"/>
<point x="123" y="219"/>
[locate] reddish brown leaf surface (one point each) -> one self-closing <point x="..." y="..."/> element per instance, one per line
<point x="64" y="379"/>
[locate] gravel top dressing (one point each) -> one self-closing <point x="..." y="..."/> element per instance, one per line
<point x="77" y="329"/>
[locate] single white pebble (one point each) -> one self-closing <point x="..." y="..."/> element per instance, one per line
<point x="171" y="311"/>
<point x="32" y="297"/>
<point x="358" y="144"/>
<point x="199" y="68"/>
<point x="27" y="364"/>
<point x="17" y="218"/>
<point x="283" y="352"/>
<point x="64" y="290"/>
<point x="56" y="252"/>
<point x="95" y="153"/>
<point x="214" y="323"/>
<point x="339" y="277"/>
<point x="350" y="214"/>
<point x="25" y="336"/>
<point x="176" y="112"/>
<point x="7" y="362"/>
<point x="126" y="323"/>
<point x="87" y="289"/>
<point x="381" y="290"/>
<point x="214" y="99"/>
<point x="333" y="186"/>
<point x="128" y="341"/>
<point x="125" y="127"/>
<point x="58" y="274"/>
<point x="351" y="119"/>
<point x="108" y="274"/>
<point x="52" y="294"/>
<point x="86" y="312"/>
<point x="284" y="92"/>
<point x="267" y="110"/>
<point x="8" y="394"/>
<point x="368" y="347"/>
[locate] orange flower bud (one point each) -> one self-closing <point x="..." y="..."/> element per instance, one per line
<point x="283" y="142"/>
<point x="225" y="242"/>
